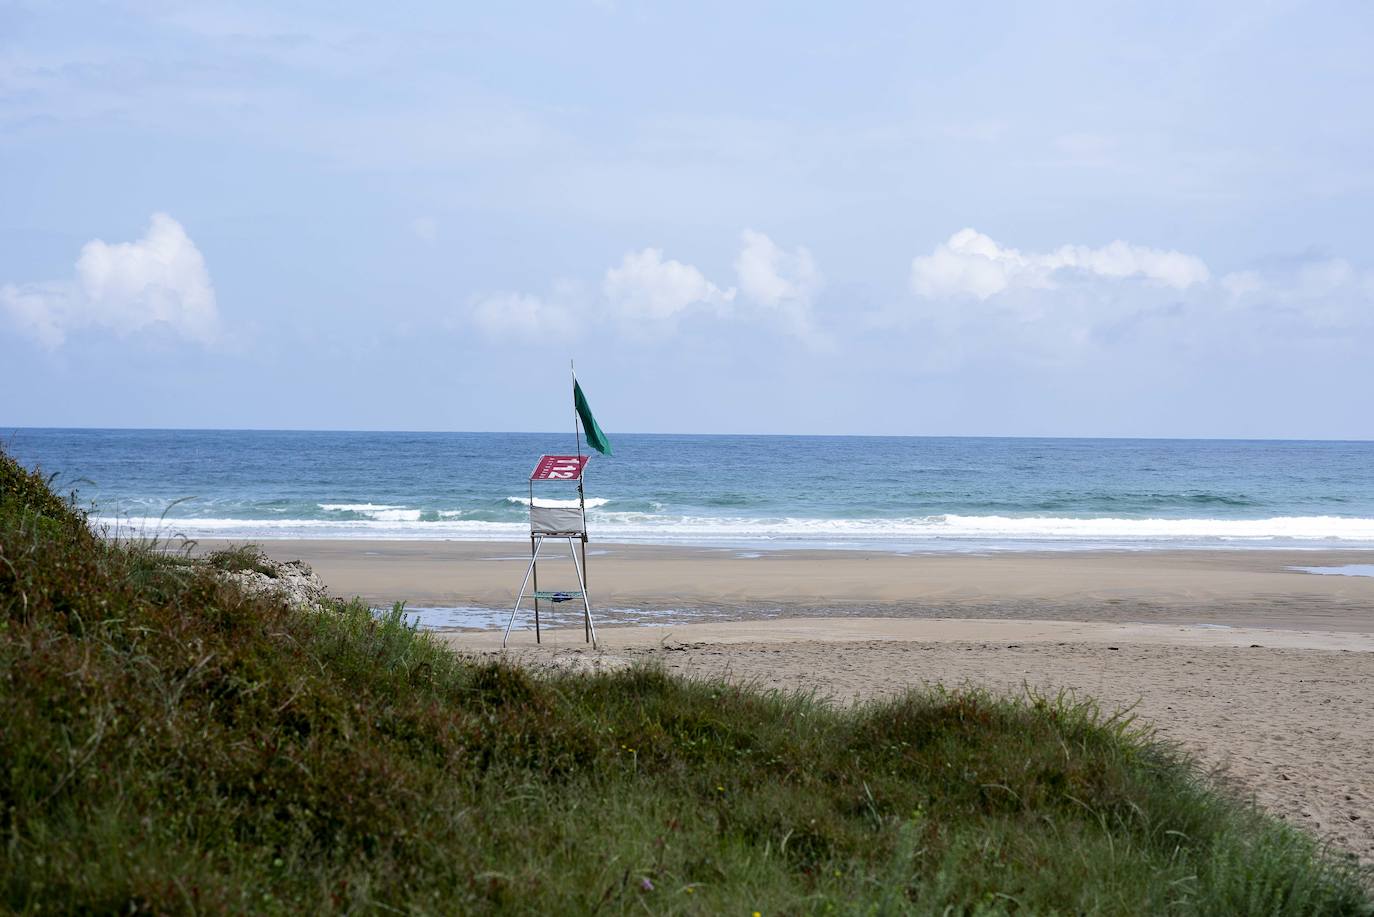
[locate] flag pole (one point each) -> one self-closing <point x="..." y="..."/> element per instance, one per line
<point x="576" y="434"/>
<point x="587" y="627"/>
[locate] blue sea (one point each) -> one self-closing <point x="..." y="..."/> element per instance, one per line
<point x="892" y="493"/>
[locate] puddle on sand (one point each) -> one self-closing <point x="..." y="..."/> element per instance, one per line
<point x="463" y="617"/>
<point x="1342" y="570"/>
<point x="565" y="614"/>
<point x="546" y="555"/>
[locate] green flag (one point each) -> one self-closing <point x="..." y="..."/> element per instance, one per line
<point x="595" y="438"/>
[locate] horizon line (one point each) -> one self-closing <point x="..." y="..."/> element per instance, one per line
<point x="6" y="431"/>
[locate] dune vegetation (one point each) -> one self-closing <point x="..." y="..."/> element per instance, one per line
<point x="173" y="744"/>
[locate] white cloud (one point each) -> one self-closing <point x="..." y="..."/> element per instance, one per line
<point x="980" y="300"/>
<point x="33" y="309"/>
<point x="426" y="229"/>
<point x="645" y="287"/>
<point x="1306" y="293"/>
<point x="647" y="293"/>
<point x="159" y="278"/>
<point x="972" y="264"/>
<point x="1242" y="283"/>
<point x="158" y="281"/>
<point x="521" y="315"/>
<point x="1329" y="275"/>
<point x="781" y="281"/>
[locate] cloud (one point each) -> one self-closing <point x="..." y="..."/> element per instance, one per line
<point x="977" y="299"/>
<point x="1242" y="283"/>
<point x="646" y="294"/>
<point x="971" y="264"/>
<point x="520" y="315"/>
<point x="781" y="281"/>
<point x="426" y="229"/>
<point x="159" y="281"/>
<point x="646" y="288"/>
<point x="1306" y="293"/>
<point x="33" y="310"/>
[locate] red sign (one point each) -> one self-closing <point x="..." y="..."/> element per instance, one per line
<point x="560" y="467"/>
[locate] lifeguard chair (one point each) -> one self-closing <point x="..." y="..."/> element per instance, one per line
<point x="557" y="520"/>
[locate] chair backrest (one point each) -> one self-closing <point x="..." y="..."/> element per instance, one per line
<point x="556" y="520"/>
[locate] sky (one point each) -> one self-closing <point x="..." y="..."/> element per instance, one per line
<point x="1118" y="219"/>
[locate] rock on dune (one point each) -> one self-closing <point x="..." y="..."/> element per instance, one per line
<point x="293" y="581"/>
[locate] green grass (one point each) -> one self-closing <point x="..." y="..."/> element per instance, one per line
<point x="241" y="559"/>
<point x="171" y="744"/>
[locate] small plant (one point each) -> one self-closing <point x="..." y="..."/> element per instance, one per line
<point x="247" y="558"/>
<point x="30" y="492"/>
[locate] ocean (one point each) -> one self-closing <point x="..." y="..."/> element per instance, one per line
<point x="889" y="493"/>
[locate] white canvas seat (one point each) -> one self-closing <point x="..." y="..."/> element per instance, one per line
<point x="556" y="520"/>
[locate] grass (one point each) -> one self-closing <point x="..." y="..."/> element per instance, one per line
<point x="246" y="558"/>
<point x="171" y="744"/>
<point x="242" y="558"/>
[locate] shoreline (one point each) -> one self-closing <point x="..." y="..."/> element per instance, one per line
<point x="1237" y="588"/>
<point x="864" y="630"/>
<point x="685" y="537"/>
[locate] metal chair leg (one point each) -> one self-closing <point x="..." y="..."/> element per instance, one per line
<point x="582" y="584"/>
<point x="519" y="598"/>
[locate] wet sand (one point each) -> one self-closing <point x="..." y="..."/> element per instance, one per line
<point x="1238" y="588"/>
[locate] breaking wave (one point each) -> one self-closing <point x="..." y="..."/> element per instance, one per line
<point x="375" y="511"/>
<point x="592" y="502"/>
<point x="925" y="532"/>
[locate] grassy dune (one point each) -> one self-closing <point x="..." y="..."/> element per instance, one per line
<point x="172" y="744"/>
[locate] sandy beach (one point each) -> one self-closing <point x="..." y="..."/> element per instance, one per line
<point x="1237" y="588"/>
<point x="1260" y="671"/>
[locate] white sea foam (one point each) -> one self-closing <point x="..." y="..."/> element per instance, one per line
<point x="954" y="532"/>
<point x="395" y="515"/>
<point x="356" y="507"/>
<point x="592" y="503"/>
<point x="380" y="512"/>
